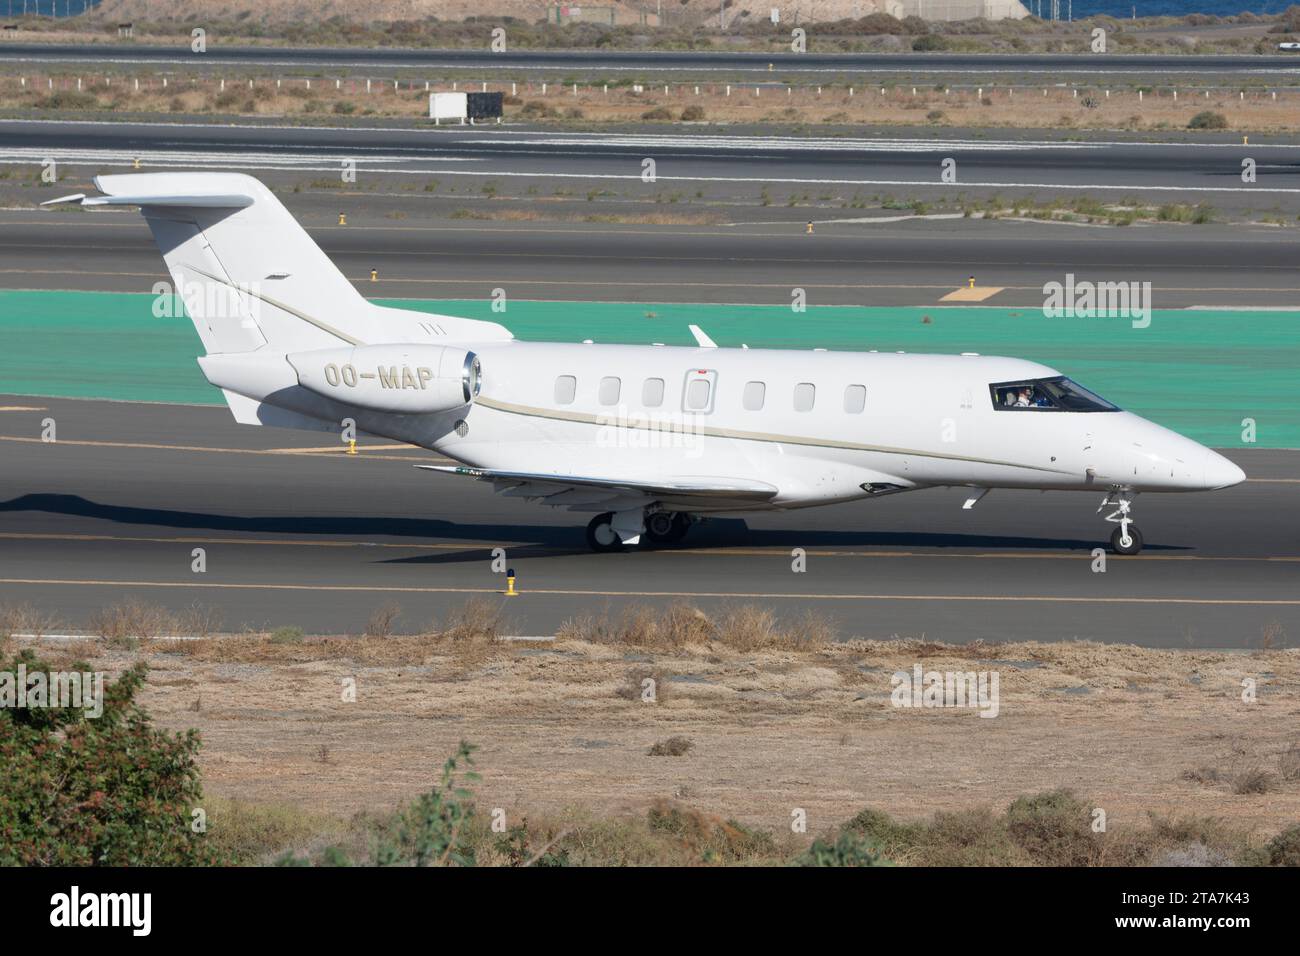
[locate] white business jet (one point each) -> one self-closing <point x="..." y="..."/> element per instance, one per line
<point x="651" y="438"/>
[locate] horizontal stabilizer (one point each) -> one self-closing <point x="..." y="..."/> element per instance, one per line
<point x="232" y="201"/>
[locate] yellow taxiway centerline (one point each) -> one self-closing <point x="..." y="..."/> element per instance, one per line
<point x="774" y="552"/>
<point x="581" y="592"/>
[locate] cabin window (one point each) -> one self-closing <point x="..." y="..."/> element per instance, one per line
<point x="855" y="399"/>
<point x="697" y="395"/>
<point x="610" y="386"/>
<point x="755" y="393"/>
<point x="652" y="392"/>
<point x="566" y="386"/>
<point x="1047" y="395"/>
<point x="805" y="395"/>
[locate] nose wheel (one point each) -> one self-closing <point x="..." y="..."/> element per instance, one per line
<point x="1129" y="542"/>
<point x="1126" y="539"/>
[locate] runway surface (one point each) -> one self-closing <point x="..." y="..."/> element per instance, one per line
<point x="296" y="533"/>
<point x="1191" y="171"/>
<point x="845" y="263"/>
<point x="1062" y="64"/>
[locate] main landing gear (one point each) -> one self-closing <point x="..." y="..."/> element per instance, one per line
<point x="1126" y="539"/>
<point x="614" y="530"/>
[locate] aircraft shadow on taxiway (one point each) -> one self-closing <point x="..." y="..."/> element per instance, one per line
<point x="543" y="540"/>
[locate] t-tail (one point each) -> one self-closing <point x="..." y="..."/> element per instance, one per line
<point x="276" y="317"/>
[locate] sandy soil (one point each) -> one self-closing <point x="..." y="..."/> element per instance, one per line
<point x="561" y="726"/>
<point x="1023" y="107"/>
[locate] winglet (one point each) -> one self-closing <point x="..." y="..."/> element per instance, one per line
<point x="701" y="339"/>
<point x="75" y="197"/>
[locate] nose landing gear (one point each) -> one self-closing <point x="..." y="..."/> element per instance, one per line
<point x="1126" y="539"/>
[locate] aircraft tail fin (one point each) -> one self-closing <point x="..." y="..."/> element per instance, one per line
<point x="252" y="278"/>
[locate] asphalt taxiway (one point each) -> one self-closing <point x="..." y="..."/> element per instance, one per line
<point x="298" y="533"/>
<point x="703" y="62"/>
<point x="847" y="261"/>
<point x="1176" y="169"/>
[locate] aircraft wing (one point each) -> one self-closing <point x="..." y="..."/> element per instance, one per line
<point x="587" y="491"/>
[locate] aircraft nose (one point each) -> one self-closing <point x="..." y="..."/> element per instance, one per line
<point x="1220" y="472"/>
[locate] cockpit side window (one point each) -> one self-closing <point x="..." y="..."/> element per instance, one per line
<point x="1058" y="394"/>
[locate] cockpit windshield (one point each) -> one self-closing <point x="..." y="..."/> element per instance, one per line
<point x="1047" y="395"/>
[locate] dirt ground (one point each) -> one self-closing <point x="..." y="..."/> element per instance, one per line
<point x="563" y="726"/>
<point x="1021" y="107"/>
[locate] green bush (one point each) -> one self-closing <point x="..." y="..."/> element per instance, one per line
<point x="68" y="100"/>
<point x="110" y="790"/>
<point x="929" y="43"/>
<point x="1284" y="849"/>
<point x="850" y="849"/>
<point x="1054" y="828"/>
<point x="433" y="830"/>
<point x="1208" y="119"/>
<point x="287" y="635"/>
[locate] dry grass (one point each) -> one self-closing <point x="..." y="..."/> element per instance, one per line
<point x="1046" y="829"/>
<point x="25" y="619"/>
<point x="992" y="107"/>
<point x="779" y="714"/>
<point x="382" y="620"/>
<point x="745" y="627"/>
<point x="548" y="215"/>
<point x="1288" y="764"/>
<point x="1255" y="780"/>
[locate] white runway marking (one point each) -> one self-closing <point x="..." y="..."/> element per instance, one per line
<point x="233" y="162"/>
<point x="486" y="133"/>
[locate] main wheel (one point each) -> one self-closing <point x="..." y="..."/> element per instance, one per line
<point x="601" y="535"/>
<point x="665" y="527"/>
<point x="1130" y="544"/>
<point x="659" y="526"/>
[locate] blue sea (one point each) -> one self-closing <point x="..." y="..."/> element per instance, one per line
<point x="1082" y="8"/>
<point x="1160" y="8"/>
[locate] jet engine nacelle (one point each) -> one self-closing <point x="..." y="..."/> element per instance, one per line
<point x="400" y="378"/>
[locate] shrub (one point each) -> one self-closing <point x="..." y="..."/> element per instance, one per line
<point x="849" y="849"/>
<point x="1284" y="849"/>
<point x="68" y="100"/>
<point x="658" y="113"/>
<point x="1054" y="828"/>
<point x="286" y="635"/>
<point x="1255" y="780"/>
<point x="672" y="747"/>
<point x="384" y="617"/>
<point x="708" y="838"/>
<point x="536" y="109"/>
<point x="96" y="791"/>
<point x="929" y="43"/>
<point x="693" y="114"/>
<point x="1208" y="119"/>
